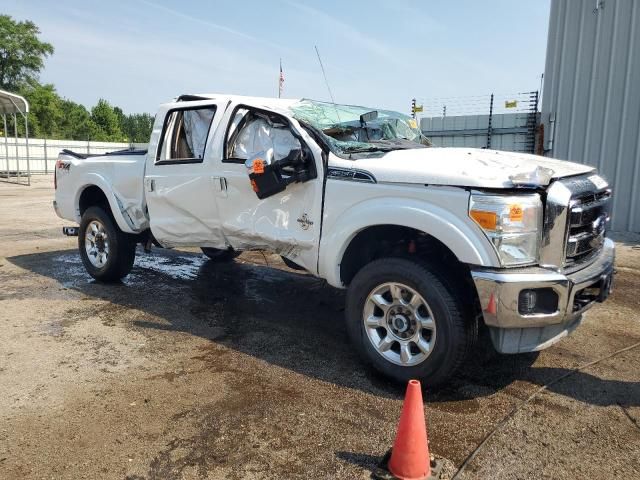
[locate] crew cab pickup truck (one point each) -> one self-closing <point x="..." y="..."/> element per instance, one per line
<point x="430" y="243"/>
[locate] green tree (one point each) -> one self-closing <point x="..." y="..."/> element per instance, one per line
<point x="22" y="53"/>
<point x="122" y="118"/>
<point x="45" y="110"/>
<point x="106" y="119"/>
<point x="137" y="127"/>
<point x="77" y="123"/>
<point x="143" y="127"/>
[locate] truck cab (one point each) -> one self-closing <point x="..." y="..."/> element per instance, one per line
<point x="430" y="243"/>
<point x="197" y="186"/>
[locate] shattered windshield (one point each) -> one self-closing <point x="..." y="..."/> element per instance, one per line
<point x="349" y="129"/>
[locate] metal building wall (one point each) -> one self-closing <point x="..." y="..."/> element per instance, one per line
<point x="509" y="131"/>
<point x="591" y="97"/>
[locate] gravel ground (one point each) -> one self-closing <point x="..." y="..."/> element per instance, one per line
<point x="193" y="370"/>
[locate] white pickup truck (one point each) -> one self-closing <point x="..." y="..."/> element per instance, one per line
<point x="429" y="242"/>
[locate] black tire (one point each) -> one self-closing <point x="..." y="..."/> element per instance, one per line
<point x="122" y="247"/>
<point x="219" y="255"/>
<point x="454" y="333"/>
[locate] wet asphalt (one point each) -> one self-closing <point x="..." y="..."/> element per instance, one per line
<point x="190" y="369"/>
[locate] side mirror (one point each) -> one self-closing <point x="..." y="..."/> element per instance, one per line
<point x="264" y="174"/>
<point x="269" y="176"/>
<point x="259" y="160"/>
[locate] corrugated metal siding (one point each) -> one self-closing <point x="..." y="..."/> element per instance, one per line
<point x="471" y="131"/>
<point x="592" y="89"/>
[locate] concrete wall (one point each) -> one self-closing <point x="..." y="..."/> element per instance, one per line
<point x="591" y="97"/>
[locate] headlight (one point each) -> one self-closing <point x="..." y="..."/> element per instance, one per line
<point x="513" y="224"/>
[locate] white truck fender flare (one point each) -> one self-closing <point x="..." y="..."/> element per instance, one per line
<point x="458" y="233"/>
<point x="94" y="179"/>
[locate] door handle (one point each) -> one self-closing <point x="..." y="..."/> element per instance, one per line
<point x="220" y="186"/>
<point x="222" y="183"/>
<point x="151" y="184"/>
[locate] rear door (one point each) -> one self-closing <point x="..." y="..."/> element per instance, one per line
<point x="179" y="185"/>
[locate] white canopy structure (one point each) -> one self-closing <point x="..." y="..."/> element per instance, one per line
<point x="13" y="105"/>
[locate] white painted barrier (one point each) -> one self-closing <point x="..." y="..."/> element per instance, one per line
<point x="43" y="153"/>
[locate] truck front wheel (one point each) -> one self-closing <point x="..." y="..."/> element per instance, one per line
<point x="405" y="322"/>
<point x="107" y="252"/>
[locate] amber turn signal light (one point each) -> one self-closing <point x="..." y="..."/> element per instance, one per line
<point x="487" y="220"/>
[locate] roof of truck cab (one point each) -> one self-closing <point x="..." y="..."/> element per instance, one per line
<point x="276" y="104"/>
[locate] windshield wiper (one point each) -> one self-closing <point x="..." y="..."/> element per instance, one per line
<point x="368" y="149"/>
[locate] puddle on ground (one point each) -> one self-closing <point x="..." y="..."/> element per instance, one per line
<point x="179" y="267"/>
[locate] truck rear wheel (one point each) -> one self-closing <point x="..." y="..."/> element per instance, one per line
<point x="107" y="252"/>
<point x="406" y="322"/>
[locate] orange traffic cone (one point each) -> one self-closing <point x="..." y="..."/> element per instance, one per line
<point x="409" y="458"/>
<point x="491" y="306"/>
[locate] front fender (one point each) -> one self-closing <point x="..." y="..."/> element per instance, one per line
<point x="442" y="214"/>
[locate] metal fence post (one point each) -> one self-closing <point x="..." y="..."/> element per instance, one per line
<point x="15" y="132"/>
<point x="6" y="143"/>
<point x="88" y="147"/>
<point x="26" y="145"/>
<point x="489" y="129"/>
<point x="46" y="160"/>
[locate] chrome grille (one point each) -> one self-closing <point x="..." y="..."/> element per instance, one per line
<point x="587" y="221"/>
<point x="575" y="219"/>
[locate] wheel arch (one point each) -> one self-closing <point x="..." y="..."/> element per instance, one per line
<point x="95" y="191"/>
<point x="90" y="196"/>
<point x="378" y="219"/>
<point x="380" y="241"/>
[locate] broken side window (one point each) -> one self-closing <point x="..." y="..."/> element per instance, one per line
<point x="184" y="135"/>
<point x="252" y="132"/>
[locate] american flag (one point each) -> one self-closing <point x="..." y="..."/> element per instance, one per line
<point x="281" y="81"/>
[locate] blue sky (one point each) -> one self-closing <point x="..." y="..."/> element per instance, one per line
<point x="139" y="53"/>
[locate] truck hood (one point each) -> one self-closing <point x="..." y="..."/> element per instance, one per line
<point x="468" y="167"/>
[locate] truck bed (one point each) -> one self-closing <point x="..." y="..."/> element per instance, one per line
<point x="117" y="175"/>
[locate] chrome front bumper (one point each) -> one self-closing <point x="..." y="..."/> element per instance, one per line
<point x="513" y="332"/>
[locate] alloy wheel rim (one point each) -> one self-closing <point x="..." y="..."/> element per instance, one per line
<point x="96" y="244"/>
<point x="399" y="324"/>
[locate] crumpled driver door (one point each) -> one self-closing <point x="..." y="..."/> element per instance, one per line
<point x="287" y="222"/>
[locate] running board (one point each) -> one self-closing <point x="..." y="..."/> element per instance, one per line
<point x="70" y="231"/>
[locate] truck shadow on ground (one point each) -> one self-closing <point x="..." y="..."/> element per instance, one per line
<point x="288" y="319"/>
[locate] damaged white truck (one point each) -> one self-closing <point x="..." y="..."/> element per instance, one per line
<point x="428" y="241"/>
